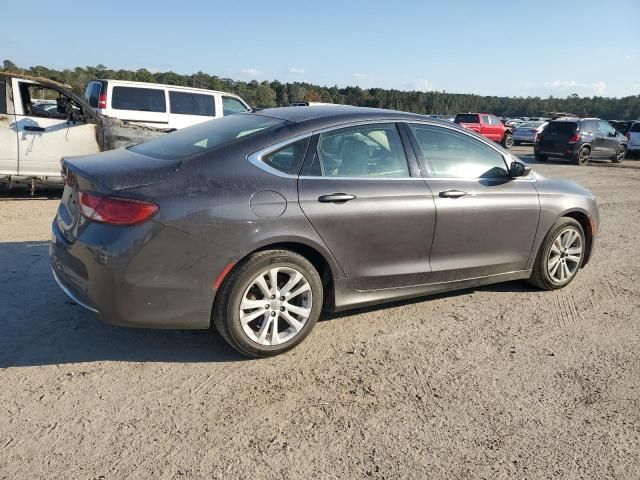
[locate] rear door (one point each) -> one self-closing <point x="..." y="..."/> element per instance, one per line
<point x="362" y="192"/>
<point x="634" y="136"/>
<point x="188" y="108"/>
<point x="486" y="221"/>
<point x="45" y="136"/>
<point x="8" y="133"/>
<point x="610" y="140"/>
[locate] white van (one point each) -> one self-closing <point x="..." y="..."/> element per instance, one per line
<point x="160" y="106"/>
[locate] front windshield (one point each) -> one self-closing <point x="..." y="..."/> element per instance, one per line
<point x="205" y="136"/>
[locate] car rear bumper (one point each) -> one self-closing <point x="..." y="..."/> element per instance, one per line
<point x="141" y="278"/>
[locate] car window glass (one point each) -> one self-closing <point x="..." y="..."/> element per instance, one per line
<point x="94" y="94"/>
<point x="635" y="127"/>
<point x="187" y="103"/>
<point x="485" y="119"/>
<point x="3" y="96"/>
<point x="605" y="128"/>
<point x="466" y="118"/>
<point x="41" y="101"/>
<point x="139" y="99"/>
<point x="288" y="159"/>
<point x="205" y="136"/>
<point x="452" y="154"/>
<point x="495" y="120"/>
<point x="231" y="106"/>
<point x="363" y="151"/>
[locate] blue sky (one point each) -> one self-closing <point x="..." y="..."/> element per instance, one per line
<point x="508" y="47"/>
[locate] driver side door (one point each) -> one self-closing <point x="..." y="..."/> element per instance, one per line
<point x="44" y="136"/>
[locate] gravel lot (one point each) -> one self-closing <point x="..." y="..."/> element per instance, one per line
<point x="497" y="382"/>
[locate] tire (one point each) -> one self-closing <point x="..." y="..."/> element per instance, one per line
<point x="619" y="155"/>
<point x="507" y="141"/>
<point x="540" y="157"/>
<point x="545" y="274"/>
<point x="242" y="286"/>
<point x="582" y="157"/>
<point x="517" y="143"/>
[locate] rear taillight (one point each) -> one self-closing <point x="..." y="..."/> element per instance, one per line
<point x="102" y="102"/>
<point x="575" y="138"/>
<point x="115" y="210"/>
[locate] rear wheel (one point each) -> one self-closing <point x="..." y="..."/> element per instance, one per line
<point x="582" y="157"/>
<point x="269" y="303"/>
<point x="507" y="141"/>
<point x="560" y="255"/>
<point x="619" y="155"/>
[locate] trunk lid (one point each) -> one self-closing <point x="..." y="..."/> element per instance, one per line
<point x="105" y="173"/>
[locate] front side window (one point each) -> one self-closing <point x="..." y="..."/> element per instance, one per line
<point x="359" y="152"/>
<point x="186" y="103"/>
<point x="231" y="106"/>
<point x="288" y="159"/>
<point x="139" y="99"/>
<point x="605" y="128"/>
<point x="452" y="154"/>
<point x="205" y="136"/>
<point x="485" y="119"/>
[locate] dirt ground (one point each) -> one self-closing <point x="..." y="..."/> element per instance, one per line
<point x="498" y="382"/>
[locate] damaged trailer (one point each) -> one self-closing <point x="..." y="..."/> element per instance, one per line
<point x="35" y="134"/>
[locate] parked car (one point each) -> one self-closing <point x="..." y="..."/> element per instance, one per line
<point x="36" y="134"/>
<point x="156" y="105"/>
<point x="622" y="126"/>
<point x="580" y="139"/>
<point x="528" y="131"/>
<point x="258" y="221"/>
<point x="633" y="137"/>
<point x="486" y="125"/>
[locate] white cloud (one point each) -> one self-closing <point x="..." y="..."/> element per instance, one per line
<point x="360" y="76"/>
<point x="252" y="72"/>
<point x="296" y="71"/>
<point x="571" y="86"/>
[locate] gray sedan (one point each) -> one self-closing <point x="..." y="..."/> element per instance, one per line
<point x="257" y="222"/>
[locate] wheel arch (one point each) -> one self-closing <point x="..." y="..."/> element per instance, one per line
<point x="585" y="222"/>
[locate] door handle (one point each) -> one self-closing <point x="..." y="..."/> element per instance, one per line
<point x="30" y="128"/>
<point x="336" y="198"/>
<point x="452" y="194"/>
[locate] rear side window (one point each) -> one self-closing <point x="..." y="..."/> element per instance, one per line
<point x="362" y="151"/>
<point x="231" y="106"/>
<point x="288" y="159"/>
<point x="3" y="96"/>
<point x="452" y="154"/>
<point x="467" y="118"/>
<point x="205" y="136"/>
<point x="186" y="103"/>
<point x="635" y="128"/>
<point x="140" y="99"/>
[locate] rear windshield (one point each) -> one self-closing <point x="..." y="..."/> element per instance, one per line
<point x="140" y="99"/>
<point x="530" y="124"/>
<point x="635" y="127"/>
<point x="205" y="136"/>
<point x="466" y="118"/>
<point x="567" y="128"/>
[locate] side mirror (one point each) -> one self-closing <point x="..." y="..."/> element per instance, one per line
<point x="519" y="169"/>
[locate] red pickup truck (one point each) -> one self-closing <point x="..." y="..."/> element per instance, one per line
<point x="486" y="125"/>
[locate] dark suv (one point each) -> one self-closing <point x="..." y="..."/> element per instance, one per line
<point x="580" y="139"/>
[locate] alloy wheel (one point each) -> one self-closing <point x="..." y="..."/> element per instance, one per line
<point x="565" y="255"/>
<point x="276" y="306"/>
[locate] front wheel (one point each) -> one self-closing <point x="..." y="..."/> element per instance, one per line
<point x="619" y="155"/>
<point x="269" y="303"/>
<point x="507" y="141"/>
<point x="560" y="255"/>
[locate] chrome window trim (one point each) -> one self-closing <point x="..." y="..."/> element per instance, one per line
<point x="256" y="158"/>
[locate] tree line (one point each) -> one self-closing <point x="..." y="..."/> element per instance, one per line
<point x="271" y="94"/>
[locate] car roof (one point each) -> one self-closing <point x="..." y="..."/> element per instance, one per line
<point x="334" y="114"/>
<point x="162" y="85"/>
